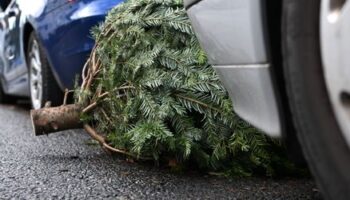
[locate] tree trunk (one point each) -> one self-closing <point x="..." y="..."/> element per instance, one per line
<point x="50" y="120"/>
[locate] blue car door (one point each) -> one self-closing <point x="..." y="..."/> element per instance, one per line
<point x="12" y="64"/>
<point x="3" y="26"/>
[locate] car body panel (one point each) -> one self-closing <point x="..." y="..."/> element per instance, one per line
<point x="63" y="28"/>
<point x="250" y="88"/>
<point x="68" y="41"/>
<point x="13" y="65"/>
<point x="232" y="34"/>
<point x="230" y="30"/>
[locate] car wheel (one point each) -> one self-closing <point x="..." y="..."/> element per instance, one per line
<point x="319" y="129"/>
<point x="43" y="86"/>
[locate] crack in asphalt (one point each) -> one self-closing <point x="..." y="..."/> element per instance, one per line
<point x="64" y="166"/>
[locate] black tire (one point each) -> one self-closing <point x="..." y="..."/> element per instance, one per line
<point x="320" y="136"/>
<point x="50" y="89"/>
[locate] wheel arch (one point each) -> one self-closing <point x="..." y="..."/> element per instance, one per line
<point x="27" y="30"/>
<point x="273" y="28"/>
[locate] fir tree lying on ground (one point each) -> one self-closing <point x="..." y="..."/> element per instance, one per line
<point x="149" y="89"/>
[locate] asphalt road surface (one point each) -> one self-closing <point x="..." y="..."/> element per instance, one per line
<point x="64" y="166"/>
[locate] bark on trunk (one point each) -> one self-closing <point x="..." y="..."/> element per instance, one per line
<point x="50" y="120"/>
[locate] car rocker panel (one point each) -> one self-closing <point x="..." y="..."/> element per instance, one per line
<point x="232" y="34"/>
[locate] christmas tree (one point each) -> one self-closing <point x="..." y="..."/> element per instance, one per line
<point x="148" y="92"/>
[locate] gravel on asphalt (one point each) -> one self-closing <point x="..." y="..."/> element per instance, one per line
<point x="64" y="166"/>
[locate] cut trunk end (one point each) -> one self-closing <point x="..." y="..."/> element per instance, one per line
<point x="55" y="119"/>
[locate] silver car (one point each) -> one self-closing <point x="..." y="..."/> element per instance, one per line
<point x="286" y="65"/>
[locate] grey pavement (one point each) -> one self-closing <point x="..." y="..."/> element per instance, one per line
<point x="64" y="166"/>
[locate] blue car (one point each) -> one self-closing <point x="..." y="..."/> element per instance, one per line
<point x="44" y="45"/>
